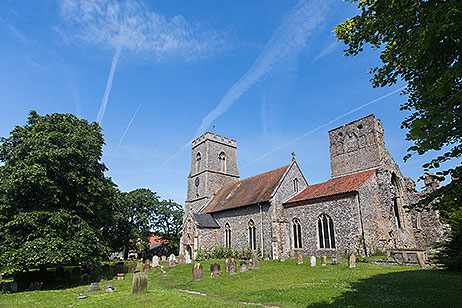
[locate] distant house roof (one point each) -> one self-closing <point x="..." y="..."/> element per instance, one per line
<point x="157" y="240"/>
<point x="335" y="187"/>
<point x="205" y="221"/>
<point x="252" y="190"/>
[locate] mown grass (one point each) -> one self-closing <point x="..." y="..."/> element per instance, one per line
<point x="283" y="284"/>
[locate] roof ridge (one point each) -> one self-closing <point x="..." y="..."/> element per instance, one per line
<point x="254" y="176"/>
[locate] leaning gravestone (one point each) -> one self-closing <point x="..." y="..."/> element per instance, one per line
<point x="227" y="260"/>
<point x="299" y="259"/>
<point x="106" y="267"/>
<point x="352" y="260"/>
<point x="215" y="270"/>
<point x="313" y="261"/>
<point x="323" y="261"/>
<point x="232" y="267"/>
<point x="171" y="263"/>
<point x="147" y="268"/>
<point x="197" y="272"/>
<point x="140" y="283"/>
<point x="164" y="258"/>
<point x="155" y="261"/>
<point x="84" y="279"/>
<point x="131" y="268"/>
<point x="420" y="260"/>
<point x="76" y="271"/>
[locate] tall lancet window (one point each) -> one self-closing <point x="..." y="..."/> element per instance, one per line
<point x="296" y="185"/>
<point x="198" y="162"/>
<point x="252" y="235"/>
<point x="326" y="232"/>
<point x="222" y="162"/>
<point x="297" y="233"/>
<point x="396" y="202"/>
<point x="227" y="236"/>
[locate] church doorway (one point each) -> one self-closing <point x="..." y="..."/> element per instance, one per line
<point x="188" y="254"/>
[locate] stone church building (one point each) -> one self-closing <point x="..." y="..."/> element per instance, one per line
<point x="361" y="208"/>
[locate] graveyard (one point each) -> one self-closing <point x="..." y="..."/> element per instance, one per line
<point x="274" y="284"/>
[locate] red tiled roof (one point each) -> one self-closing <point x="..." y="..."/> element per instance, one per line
<point x="252" y="190"/>
<point x="333" y="187"/>
<point x="157" y="240"/>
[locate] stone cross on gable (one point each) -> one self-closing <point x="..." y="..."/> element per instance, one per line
<point x="293" y="156"/>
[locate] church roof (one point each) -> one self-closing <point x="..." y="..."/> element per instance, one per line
<point x="205" y="221"/>
<point x="332" y="188"/>
<point x="249" y="191"/>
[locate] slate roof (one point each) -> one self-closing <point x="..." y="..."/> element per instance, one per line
<point x="249" y="191"/>
<point x="332" y="188"/>
<point x="205" y="221"/>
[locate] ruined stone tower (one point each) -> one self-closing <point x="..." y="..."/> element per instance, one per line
<point x="213" y="164"/>
<point x="356" y="146"/>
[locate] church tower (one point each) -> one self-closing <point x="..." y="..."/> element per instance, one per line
<point x="213" y="164"/>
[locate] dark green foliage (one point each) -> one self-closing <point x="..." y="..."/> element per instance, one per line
<point x="54" y="196"/>
<point x="167" y="222"/>
<point x="420" y="43"/>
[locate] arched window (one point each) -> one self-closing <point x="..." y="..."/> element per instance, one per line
<point x="326" y="232"/>
<point x="198" y="162"/>
<point x="252" y="235"/>
<point x="227" y="236"/>
<point x="396" y="199"/>
<point x="296" y="185"/>
<point x="222" y="162"/>
<point x="297" y="233"/>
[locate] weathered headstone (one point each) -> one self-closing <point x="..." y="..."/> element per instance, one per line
<point x="299" y="259"/>
<point x="109" y="288"/>
<point x="335" y="262"/>
<point x="164" y="258"/>
<point x="139" y="263"/>
<point x="180" y="259"/>
<point x="76" y="271"/>
<point x="14" y="286"/>
<point x="59" y="271"/>
<point x="232" y="267"/>
<point x="215" y="270"/>
<point x="172" y="263"/>
<point x="352" y="260"/>
<point x="94" y="286"/>
<point x="119" y="267"/>
<point x="120" y="276"/>
<point x="34" y="286"/>
<point x="147" y="268"/>
<point x="255" y="261"/>
<point x="140" y="283"/>
<point x="155" y="261"/>
<point x="106" y="267"/>
<point x="420" y="260"/>
<point x="323" y="261"/>
<point x="243" y="266"/>
<point x="197" y="272"/>
<point x="84" y="279"/>
<point x="227" y="260"/>
<point x="101" y="278"/>
<point x="131" y="268"/>
<point x="313" y="261"/>
<point x="172" y="257"/>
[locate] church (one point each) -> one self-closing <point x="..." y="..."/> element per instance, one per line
<point x="361" y="208"/>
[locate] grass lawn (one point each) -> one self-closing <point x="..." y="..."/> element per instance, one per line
<point x="283" y="284"/>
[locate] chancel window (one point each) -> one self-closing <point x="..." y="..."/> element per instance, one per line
<point x="198" y="162"/>
<point x="252" y="235"/>
<point x="227" y="236"/>
<point x="297" y="231"/>
<point x="222" y="162"/>
<point x="396" y="200"/>
<point x="296" y="185"/>
<point x="326" y="232"/>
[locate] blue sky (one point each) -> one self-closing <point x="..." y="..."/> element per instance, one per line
<point x="157" y="74"/>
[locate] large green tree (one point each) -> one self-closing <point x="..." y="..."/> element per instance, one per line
<point x="420" y="43"/>
<point x="168" y="221"/>
<point x="55" y="200"/>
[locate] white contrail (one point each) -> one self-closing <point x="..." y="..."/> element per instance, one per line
<point x="290" y="37"/>
<point x="126" y="130"/>
<point x="323" y="125"/>
<point x="102" y="108"/>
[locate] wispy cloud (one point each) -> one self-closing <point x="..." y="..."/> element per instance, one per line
<point x="329" y="49"/>
<point x="323" y="125"/>
<point x="126" y="130"/>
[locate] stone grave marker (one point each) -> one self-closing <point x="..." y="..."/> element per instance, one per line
<point x="243" y="266"/>
<point x="131" y="268"/>
<point x="227" y="260"/>
<point x="120" y="276"/>
<point x="94" y="286"/>
<point x="106" y="267"/>
<point x="148" y="263"/>
<point x="172" y="257"/>
<point x="299" y="259"/>
<point x="197" y="272"/>
<point x="101" y="278"/>
<point x="34" y="286"/>
<point x="140" y="283"/>
<point x="139" y="263"/>
<point x="76" y="271"/>
<point x="352" y="260"/>
<point x="215" y="270"/>
<point x="323" y="261"/>
<point x="155" y="261"/>
<point x="313" y="261"/>
<point x="118" y="267"/>
<point x="59" y="271"/>
<point x="84" y="279"/>
<point x="232" y="267"/>
<point x="420" y="260"/>
<point x="335" y="262"/>
<point x="255" y="261"/>
<point x="180" y="259"/>
<point x="66" y="276"/>
<point x="171" y="263"/>
<point x="164" y="258"/>
<point x="109" y="288"/>
<point x="147" y="268"/>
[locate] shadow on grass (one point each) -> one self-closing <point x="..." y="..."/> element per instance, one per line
<point x="418" y="288"/>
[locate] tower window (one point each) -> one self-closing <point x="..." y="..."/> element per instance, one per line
<point x="297" y="233"/>
<point x="222" y="162"/>
<point x="227" y="236"/>
<point x="252" y="235"/>
<point x="198" y="162"/>
<point x="296" y="185"/>
<point x="326" y="234"/>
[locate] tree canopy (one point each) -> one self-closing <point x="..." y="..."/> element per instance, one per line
<point x="54" y="197"/>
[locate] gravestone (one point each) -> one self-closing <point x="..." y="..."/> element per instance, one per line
<point x="120" y="276"/>
<point x="34" y="286"/>
<point x="197" y="272"/>
<point x="94" y="286"/>
<point x="155" y="261"/>
<point x="323" y="261"/>
<point x="14" y="286"/>
<point x="140" y="283"/>
<point x="147" y="268"/>
<point x="84" y="279"/>
<point x="172" y="257"/>
<point x="299" y="259"/>
<point x="101" y="278"/>
<point x="335" y="262"/>
<point x="106" y="267"/>
<point x="109" y="288"/>
<point x="215" y="270"/>
<point x="119" y="268"/>
<point x="255" y="261"/>
<point x="420" y="260"/>
<point x="171" y="263"/>
<point x="76" y="271"/>
<point x="352" y="260"/>
<point x="148" y="263"/>
<point x="243" y="266"/>
<point x="180" y="259"/>
<point x="313" y="261"/>
<point x="227" y="260"/>
<point x="232" y="267"/>
<point x="59" y="271"/>
<point x="131" y="268"/>
<point x="139" y="263"/>
<point x="66" y="276"/>
<point x="164" y="258"/>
